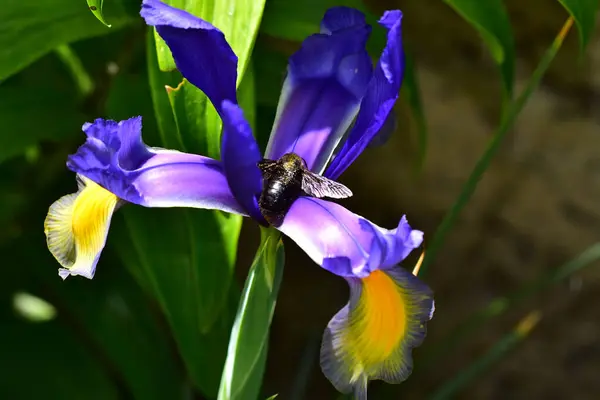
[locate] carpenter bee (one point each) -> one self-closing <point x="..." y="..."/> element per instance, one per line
<point x="285" y="180"/>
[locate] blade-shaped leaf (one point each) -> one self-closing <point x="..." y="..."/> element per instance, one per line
<point x="246" y="355"/>
<point x="584" y="13"/>
<point x="491" y="20"/>
<point x="508" y="120"/>
<point x="32" y="28"/>
<point x="96" y="9"/>
<point x="26" y="122"/>
<point x="57" y="367"/>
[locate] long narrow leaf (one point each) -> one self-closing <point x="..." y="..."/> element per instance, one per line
<point x="584" y="13"/>
<point x="482" y="164"/>
<point x="246" y="356"/>
<point x="487" y="360"/>
<point x="490" y="19"/>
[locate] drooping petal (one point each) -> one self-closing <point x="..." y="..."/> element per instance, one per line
<point x="327" y="78"/>
<point x="373" y="335"/>
<point x="76" y="228"/>
<point x="115" y="157"/>
<point x="199" y="49"/>
<point x="382" y="93"/>
<point x="240" y="154"/>
<point x="345" y="243"/>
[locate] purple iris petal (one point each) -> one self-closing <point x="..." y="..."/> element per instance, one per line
<point x="338" y="18"/>
<point x="345" y="243"/>
<point x="115" y="157"/>
<point x="379" y="100"/>
<point x="240" y="154"/>
<point x="327" y="78"/>
<point x="200" y="50"/>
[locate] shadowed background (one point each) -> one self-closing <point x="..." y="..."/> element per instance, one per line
<point x="536" y="208"/>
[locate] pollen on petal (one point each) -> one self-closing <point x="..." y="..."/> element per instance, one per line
<point x="373" y="335"/>
<point x="76" y="228"/>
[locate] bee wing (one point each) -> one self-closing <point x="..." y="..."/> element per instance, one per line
<point x="266" y="166"/>
<point x="319" y="186"/>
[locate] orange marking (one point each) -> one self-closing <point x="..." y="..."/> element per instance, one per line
<point x="379" y="322"/>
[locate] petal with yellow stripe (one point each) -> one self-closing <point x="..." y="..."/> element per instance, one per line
<point x="76" y="227"/>
<point x="373" y="335"/>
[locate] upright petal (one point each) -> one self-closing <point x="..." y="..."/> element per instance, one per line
<point x="240" y="154"/>
<point x="345" y="243"/>
<point x="382" y="93"/>
<point x="327" y="79"/>
<point x="115" y="157"/>
<point x="199" y="49"/>
<point x="373" y="335"/>
<point x="76" y="228"/>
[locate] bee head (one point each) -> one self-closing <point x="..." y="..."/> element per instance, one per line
<point x="292" y="161"/>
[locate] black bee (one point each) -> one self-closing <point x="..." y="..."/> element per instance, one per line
<point x="285" y="180"/>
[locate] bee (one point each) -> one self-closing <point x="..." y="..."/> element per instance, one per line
<point x="285" y="180"/>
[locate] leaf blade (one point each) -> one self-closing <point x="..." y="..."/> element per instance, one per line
<point x="491" y="20"/>
<point x="248" y="343"/>
<point x="584" y="14"/>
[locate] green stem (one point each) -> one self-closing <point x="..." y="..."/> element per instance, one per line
<point x="84" y="81"/>
<point x="506" y="124"/>
<point x="493" y="355"/>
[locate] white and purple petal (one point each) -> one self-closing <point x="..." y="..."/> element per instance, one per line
<point x="115" y="157"/>
<point x="345" y="243"/>
<point x="382" y="93"/>
<point x="199" y="49"/>
<point x="327" y="79"/>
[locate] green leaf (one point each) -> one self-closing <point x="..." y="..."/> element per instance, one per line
<point x="73" y="63"/>
<point x="246" y="356"/>
<point x="237" y="19"/>
<point x="185" y="259"/>
<point x="96" y="9"/>
<point x="499" y="350"/>
<point x="197" y="121"/>
<point x="584" y="13"/>
<point x="508" y="120"/>
<point x="52" y="116"/>
<point x="491" y="20"/>
<point x="48" y="361"/>
<point x="32" y="28"/>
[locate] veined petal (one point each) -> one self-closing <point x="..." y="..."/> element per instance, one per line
<point x="240" y="154"/>
<point x="345" y="243"/>
<point x="382" y="93"/>
<point x="327" y="79"/>
<point x="76" y="228"/>
<point x="373" y="335"/>
<point x="115" y="157"/>
<point x="199" y="49"/>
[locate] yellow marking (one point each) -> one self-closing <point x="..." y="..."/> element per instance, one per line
<point x="378" y="324"/>
<point x="76" y="227"/>
<point x="528" y="323"/>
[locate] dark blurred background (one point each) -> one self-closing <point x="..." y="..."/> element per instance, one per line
<point x="537" y="207"/>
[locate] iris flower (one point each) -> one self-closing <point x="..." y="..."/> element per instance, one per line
<point x="331" y="88"/>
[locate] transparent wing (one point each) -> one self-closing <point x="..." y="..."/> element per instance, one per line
<point x="319" y="186"/>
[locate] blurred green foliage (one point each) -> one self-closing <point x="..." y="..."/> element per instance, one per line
<point x="166" y="319"/>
